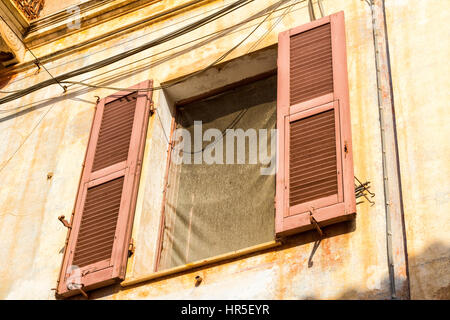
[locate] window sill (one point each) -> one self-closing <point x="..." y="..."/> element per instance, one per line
<point x="200" y="263"/>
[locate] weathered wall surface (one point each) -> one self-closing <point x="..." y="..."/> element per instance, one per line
<point x="45" y="136"/>
<point x="54" y="6"/>
<point x="419" y="47"/>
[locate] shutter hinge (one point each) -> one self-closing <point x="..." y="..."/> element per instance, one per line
<point x="78" y="286"/>
<point x="131" y="248"/>
<point x="64" y="222"/>
<point x="345" y="148"/>
<point x="314" y="222"/>
<point x="280" y="239"/>
<point x="83" y="292"/>
<point x="151" y="106"/>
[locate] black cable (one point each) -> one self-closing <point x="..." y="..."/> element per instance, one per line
<point x="113" y="46"/>
<point x="234" y="26"/>
<point x="241" y="113"/>
<point x="223" y="56"/>
<point x="36" y="59"/>
<point x="281" y="17"/>
<point x="128" y="53"/>
<point x="133" y="39"/>
<point x="219" y="31"/>
<point x="148" y="57"/>
<point x="26" y="138"/>
<point x="145" y="58"/>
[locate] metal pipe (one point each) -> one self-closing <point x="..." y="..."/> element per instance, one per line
<point x="394" y="124"/>
<point x="395" y="237"/>
<point x="383" y="151"/>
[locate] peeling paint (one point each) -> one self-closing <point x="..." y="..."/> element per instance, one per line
<point x="350" y="263"/>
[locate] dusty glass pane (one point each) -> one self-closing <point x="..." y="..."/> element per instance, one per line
<point x="213" y="209"/>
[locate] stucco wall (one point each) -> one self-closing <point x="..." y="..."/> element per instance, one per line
<point x="350" y="263"/>
<point x="419" y="48"/>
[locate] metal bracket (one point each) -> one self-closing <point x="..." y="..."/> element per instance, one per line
<point x="131" y="248"/>
<point x="361" y="189"/>
<point x="314" y="222"/>
<point x="81" y="289"/>
<point x="151" y="107"/>
<point x="64" y="222"/>
<point x="36" y="62"/>
<point x="84" y="292"/>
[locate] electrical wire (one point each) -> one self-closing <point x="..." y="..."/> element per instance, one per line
<point x="289" y="8"/>
<point x="229" y="28"/>
<point x="312" y="16"/>
<point x="26" y="138"/>
<point x="38" y="62"/>
<point x="145" y="58"/>
<point x="126" y="54"/>
<point x="243" y="112"/>
<point x="322" y="12"/>
<point x="222" y="57"/>
<point x="151" y="56"/>
<point x="113" y="46"/>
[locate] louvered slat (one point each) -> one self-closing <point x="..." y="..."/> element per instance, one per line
<point x="312" y="164"/>
<point x="311" y="67"/>
<point x="98" y="225"/>
<point x="115" y="132"/>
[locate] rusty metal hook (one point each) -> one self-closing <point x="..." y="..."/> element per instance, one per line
<point x="64" y="222"/>
<point x="314" y="221"/>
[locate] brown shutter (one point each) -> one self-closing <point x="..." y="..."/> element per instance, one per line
<point x="315" y="164"/>
<point x="97" y="250"/>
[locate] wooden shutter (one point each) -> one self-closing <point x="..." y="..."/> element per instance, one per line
<point x="315" y="165"/>
<point x="105" y="204"/>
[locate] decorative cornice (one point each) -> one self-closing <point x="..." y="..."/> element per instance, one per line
<point x="30" y="8"/>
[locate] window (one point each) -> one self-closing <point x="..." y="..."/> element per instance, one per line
<point x="217" y="200"/>
<point x="212" y="209"/>
<point x="222" y="179"/>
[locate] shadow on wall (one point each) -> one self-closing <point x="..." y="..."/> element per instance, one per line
<point x="428" y="272"/>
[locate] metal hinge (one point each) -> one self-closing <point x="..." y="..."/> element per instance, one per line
<point x="151" y="106"/>
<point x="131" y="248"/>
<point x="314" y="222"/>
<point x="64" y="222"/>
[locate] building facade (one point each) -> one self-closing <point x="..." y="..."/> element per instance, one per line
<point x="93" y="95"/>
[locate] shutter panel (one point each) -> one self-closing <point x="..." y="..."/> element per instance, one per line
<point x="315" y="163"/>
<point x="97" y="249"/>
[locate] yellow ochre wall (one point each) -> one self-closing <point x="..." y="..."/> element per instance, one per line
<point x="350" y="263"/>
<point x="419" y="50"/>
